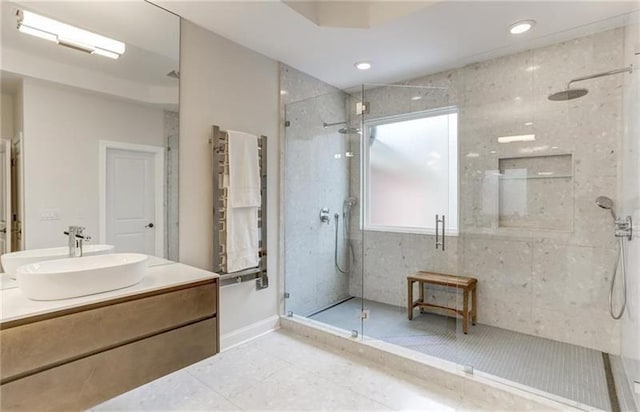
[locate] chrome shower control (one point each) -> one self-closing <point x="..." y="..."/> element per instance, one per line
<point x="324" y="215"/>
<point x="624" y="228"/>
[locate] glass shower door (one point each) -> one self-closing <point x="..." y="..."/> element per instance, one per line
<point x="321" y="269"/>
<point x="409" y="213"/>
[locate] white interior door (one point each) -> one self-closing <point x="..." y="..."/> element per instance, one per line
<point x="5" y="196"/>
<point x="130" y="200"/>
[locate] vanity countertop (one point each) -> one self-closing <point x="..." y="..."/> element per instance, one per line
<point x="15" y="305"/>
<point x="6" y="282"/>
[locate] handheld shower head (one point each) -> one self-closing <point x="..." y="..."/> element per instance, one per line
<point x="351" y="201"/>
<point x="606" y="203"/>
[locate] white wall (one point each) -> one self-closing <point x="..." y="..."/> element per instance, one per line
<point x="225" y="84"/>
<point x="7" y="116"/>
<point x="62" y="127"/>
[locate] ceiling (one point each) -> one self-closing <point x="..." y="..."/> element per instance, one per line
<point x="439" y="36"/>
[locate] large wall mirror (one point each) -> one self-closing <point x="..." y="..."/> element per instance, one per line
<point x="89" y="125"/>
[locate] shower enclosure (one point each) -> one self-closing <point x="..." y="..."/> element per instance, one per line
<point x="476" y="172"/>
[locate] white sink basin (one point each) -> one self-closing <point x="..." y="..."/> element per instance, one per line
<point x="73" y="277"/>
<point x="12" y="261"/>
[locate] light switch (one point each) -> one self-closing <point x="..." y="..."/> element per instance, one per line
<point x="636" y="387"/>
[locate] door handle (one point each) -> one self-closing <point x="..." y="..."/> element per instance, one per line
<point x="443" y="229"/>
<point x="149" y="226"/>
<point x="3" y="230"/>
<point x="438" y="241"/>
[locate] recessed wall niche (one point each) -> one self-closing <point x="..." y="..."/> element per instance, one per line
<point x="536" y="192"/>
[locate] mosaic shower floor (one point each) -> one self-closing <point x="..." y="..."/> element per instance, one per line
<point x="570" y="371"/>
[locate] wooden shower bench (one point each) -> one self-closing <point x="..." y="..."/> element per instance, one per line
<point x="467" y="285"/>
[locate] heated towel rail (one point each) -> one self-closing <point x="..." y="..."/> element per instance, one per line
<point x="220" y="174"/>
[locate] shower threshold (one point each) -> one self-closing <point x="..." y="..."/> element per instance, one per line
<point x="567" y="373"/>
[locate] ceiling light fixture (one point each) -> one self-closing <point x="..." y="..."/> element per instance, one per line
<point x="363" y="65"/>
<point x="521" y="26"/>
<point x="518" y="138"/>
<point x="69" y="36"/>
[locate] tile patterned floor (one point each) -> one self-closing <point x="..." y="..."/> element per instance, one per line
<point x="283" y="372"/>
<point x="562" y="369"/>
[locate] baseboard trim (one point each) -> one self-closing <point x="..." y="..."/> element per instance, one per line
<point x="249" y="332"/>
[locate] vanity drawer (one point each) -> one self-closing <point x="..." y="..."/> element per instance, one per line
<point x="83" y="383"/>
<point x="41" y="344"/>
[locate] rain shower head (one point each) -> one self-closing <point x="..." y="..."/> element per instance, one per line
<point x="568" y="94"/>
<point x="343" y="130"/>
<point x="606" y="203"/>
<point x="349" y="130"/>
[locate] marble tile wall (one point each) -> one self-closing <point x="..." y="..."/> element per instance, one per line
<point x="315" y="177"/>
<point x="172" y="136"/>
<point x="541" y="281"/>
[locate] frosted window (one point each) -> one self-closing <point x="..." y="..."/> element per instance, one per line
<point x="411" y="172"/>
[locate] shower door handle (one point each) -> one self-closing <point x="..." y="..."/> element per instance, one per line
<point x="438" y="241"/>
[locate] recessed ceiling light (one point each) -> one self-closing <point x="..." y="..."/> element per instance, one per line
<point x="521" y="26"/>
<point x="528" y="124"/>
<point x="416" y="98"/>
<point x="363" y="65"/>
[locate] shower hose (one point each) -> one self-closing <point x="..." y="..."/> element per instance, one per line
<point x="349" y="248"/>
<point x="623" y="268"/>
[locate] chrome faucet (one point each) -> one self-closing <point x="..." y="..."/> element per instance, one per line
<point x="76" y="240"/>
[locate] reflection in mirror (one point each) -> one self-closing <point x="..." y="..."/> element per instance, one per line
<point x="89" y="127"/>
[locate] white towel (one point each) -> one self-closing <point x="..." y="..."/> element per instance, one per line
<point x="243" y="202"/>
<point x="242" y="238"/>
<point x="244" y="170"/>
